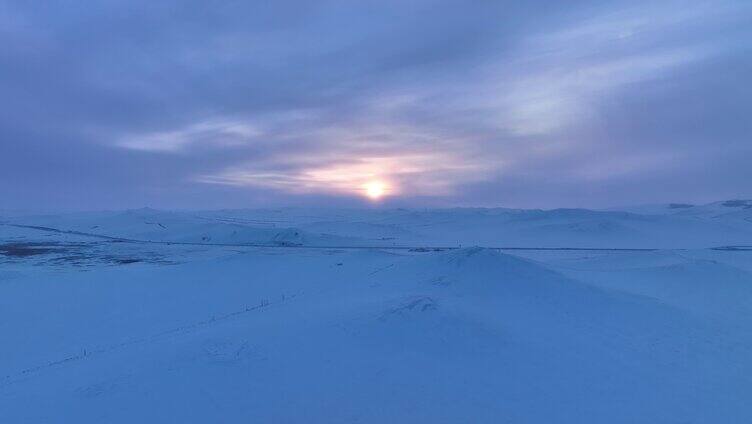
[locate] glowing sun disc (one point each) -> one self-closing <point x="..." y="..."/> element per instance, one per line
<point x="375" y="189"/>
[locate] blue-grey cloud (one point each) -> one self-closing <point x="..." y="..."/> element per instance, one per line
<point x="176" y="104"/>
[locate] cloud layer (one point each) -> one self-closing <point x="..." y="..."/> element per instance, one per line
<point x="122" y="104"/>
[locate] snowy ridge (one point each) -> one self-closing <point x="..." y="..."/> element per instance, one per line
<point x="716" y="224"/>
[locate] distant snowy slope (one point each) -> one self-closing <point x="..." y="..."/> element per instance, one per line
<point x="567" y="228"/>
<point x="653" y="209"/>
<point x="726" y="210"/>
<point x="717" y="224"/>
<point x="181" y="227"/>
<point x="723" y="209"/>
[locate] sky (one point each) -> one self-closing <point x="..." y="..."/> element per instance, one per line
<point x="410" y="103"/>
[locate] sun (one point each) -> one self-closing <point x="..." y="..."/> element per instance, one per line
<point x="375" y="189"/>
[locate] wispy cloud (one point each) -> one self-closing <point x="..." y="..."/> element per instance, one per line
<point x="560" y="77"/>
<point x="434" y="98"/>
<point x="413" y="135"/>
<point x="410" y="160"/>
<point x="555" y="95"/>
<point x="429" y="174"/>
<point x="217" y="133"/>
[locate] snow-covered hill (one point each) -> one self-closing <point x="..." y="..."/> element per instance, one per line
<point x="118" y="330"/>
<point x="290" y="335"/>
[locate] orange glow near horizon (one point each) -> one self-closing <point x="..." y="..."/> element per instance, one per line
<point x="370" y="177"/>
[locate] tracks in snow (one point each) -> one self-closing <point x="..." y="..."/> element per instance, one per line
<point x="161" y="336"/>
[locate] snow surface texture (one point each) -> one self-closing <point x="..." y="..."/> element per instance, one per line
<point x="344" y="316"/>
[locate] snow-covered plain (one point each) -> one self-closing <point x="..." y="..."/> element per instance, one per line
<point x="371" y="316"/>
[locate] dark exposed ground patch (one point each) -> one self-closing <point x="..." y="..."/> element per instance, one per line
<point x="679" y="206"/>
<point x="124" y="261"/>
<point x="734" y="248"/>
<point x="746" y="204"/>
<point x="22" y="250"/>
<point x="73" y="254"/>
